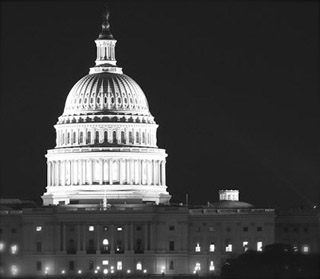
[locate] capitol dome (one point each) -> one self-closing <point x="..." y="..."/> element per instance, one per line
<point x="106" y="93"/>
<point x="106" y="140"/>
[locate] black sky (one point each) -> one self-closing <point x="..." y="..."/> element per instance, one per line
<point x="233" y="86"/>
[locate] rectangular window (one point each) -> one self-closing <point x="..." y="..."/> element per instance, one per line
<point x="91" y="228"/>
<point x="245" y="245"/>
<point x="119" y="229"/>
<point x="171" y="228"/>
<point x="245" y="229"/>
<point x="171" y="265"/>
<point x="171" y="245"/>
<point x="139" y="228"/>
<point x="71" y="265"/>
<point x="38" y="228"/>
<point x="211" y="229"/>
<point x="228" y="229"/>
<point x="13" y="230"/>
<point x="211" y="266"/>
<point x="211" y="247"/>
<point x="105" y="262"/>
<point x="198" y="248"/>
<point x="305" y="249"/>
<point x="39" y="266"/>
<point x="259" y="229"/>
<point x="229" y="247"/>
<point x="259" y="246"/>
<point x="91" y="265"/>
<point x="39" y="246"/>
<point x="119" y="265"/>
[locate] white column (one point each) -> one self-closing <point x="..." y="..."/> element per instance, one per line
<point x="141" y="172"/>
<point x="48" y="173"/>
<point x="121" y="170"/>
<point x="71" y="172"/>
<point x="91" y="171"/>
<point x="110" y="171"/>
<point x="80" y="174"/>
<point x="101" y="168"/>
<point x="127" y="161"/>
<point x="154" y="172"/>
<point x="163" y="173"/>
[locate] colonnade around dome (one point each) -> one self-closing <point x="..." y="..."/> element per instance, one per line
<point x="106" y="134"/>
<point x="102" y="171"/>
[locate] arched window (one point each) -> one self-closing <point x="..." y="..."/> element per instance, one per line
<point x="122" y="137"/>
<point x="105" y="136"/>
<point x="114" y="137"/>
<point x="62" y="138"/>
<point x="74" y="137"/>
<point x="142" y="138"/>
<point x="105" y="246"/>
<point x="68" y="138"/>
<point x="139" y="266"/>
<point x="97" y="137"/>
<point x="89" y="137"/>
<point x="81" y="137"/>
<point x="137" y="137"/>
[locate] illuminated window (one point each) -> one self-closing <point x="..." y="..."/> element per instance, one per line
<point x="105" y="262"/>
<point x="119" y="229"/>
<point x="211" y="266"/>
<point x="198" y="248"/>
<point x="229" y="247"/>
<point x="105" y="242"/>
<point x="38" y="228"/>
<point x="295" y="248"/>
<point x="2" y="246"/>
<point x="14" y="249"/>
<point x="14" y="270"/>
<point x="139" y="266"/>
<point x="259" y="246"/>
<point x="197" y="267"/>
<point x="305" y="249"/>
<point x="119" y="265"/>
<point x="211" y="247"/>
<point x="105" y="228"/>
<point x="91" y="228"/>
<point x="245" y="245"/>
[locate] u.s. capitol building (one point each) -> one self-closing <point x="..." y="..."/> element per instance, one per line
<point x="106" y="208"/>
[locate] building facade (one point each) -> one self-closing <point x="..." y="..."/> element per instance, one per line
<point x="106" y="208"/>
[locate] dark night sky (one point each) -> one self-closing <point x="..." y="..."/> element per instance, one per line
<point x="233" y="86"/>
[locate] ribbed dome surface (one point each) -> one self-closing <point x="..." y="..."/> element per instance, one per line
<point x="106" y="93"/>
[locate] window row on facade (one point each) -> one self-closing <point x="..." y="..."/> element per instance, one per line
<point x="102" y="171"/>
<point x="88" y="137"/>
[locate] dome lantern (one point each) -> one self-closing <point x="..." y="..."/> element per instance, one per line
<point x="106" y="58"/>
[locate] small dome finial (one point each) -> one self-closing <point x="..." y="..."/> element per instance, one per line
<point x="105" y="32"/>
